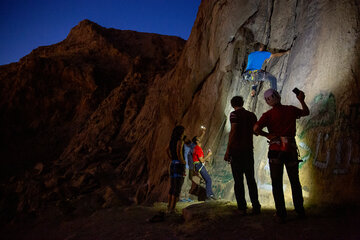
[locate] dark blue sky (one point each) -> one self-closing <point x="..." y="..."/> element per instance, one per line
<point x="28" y="24"/>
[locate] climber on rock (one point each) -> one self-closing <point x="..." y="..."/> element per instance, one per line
<point x="253" y="71"/>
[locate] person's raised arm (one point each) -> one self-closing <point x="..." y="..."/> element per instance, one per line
<point x="203" y="130"/>
<point x="273" y="55"/>
<point x="305" y="108"/>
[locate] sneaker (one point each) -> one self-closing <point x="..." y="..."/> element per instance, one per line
<point x="211" y="198"/>
<point x="253" y="90"/>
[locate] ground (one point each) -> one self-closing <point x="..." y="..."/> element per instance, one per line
<point x="195" y="220"/>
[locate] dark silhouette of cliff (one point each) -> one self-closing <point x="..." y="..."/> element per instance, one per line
<point x="97" y="79"/>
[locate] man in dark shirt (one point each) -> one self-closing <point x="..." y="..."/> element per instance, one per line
<point x="240" y="154"/>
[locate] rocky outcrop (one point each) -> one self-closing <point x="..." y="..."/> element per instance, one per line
<point x="322" y="37"/>
<point x="113" y="140"/>
<point x="62" y="105"/>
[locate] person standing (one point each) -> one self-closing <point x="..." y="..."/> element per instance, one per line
<point x="191" y="147"/>
<point x="199" y="165"/>
<point x="177" y="166"/>
<point x="240" y="155"/>
<point x="280" y="121"/>
<point x="188" y="155"/>
<point x="185" y="190"/>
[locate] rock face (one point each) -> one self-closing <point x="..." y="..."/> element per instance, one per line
<point x="110" y="143"/>
<point x="322" y="37"/>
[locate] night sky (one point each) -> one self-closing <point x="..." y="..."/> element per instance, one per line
<point x="28" y="24"/>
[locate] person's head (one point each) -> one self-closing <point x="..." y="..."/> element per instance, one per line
<point x="177" y="133"/>
<point x="259" y="46"/>
<point x="186" y="140"/>
<point x="237" y="102"/>
<point x="272" y="97"/>
<point x="196" y="140"/>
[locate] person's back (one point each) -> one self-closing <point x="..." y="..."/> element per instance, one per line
<point x="241" y="134"/>
<point x="239" y="154"/>
<point x="256" y="60"/>
<point x="190" y="155"/>
<point x="281" y="120"/>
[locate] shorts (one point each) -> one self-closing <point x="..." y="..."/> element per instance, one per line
<point x="177" y="171"/>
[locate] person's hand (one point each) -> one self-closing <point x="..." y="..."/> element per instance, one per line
<point x="209" y="153"/>
<point x="270" y="136"/>
<point x="203" y="129"/>
<point x="301" y="96"/>
<point x="227" y="158"/>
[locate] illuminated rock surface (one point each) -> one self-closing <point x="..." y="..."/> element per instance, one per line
<point x="104" y="129"/>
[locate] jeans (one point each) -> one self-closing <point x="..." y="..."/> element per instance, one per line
<point x="260" y="75"/>
<point x="277" y="161"/>
<point x="205" y="175"/>
<point x="240" y="165"/>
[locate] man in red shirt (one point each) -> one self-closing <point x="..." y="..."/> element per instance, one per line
<point x="280" y="121"/>
<point x="199" y="165"/>
<point x="240" y="154"/>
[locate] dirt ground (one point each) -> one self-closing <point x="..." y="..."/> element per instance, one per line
<point x="203" y="220"/>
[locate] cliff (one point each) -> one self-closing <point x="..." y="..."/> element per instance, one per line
<point x="91" y="85"/>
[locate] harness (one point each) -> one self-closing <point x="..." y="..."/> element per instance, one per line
<point x="250" y="74"/>
<point x="285" y="144"/>
<point x="202" y="165"/>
